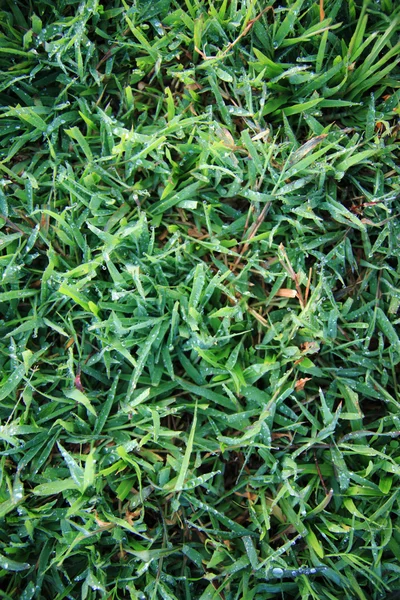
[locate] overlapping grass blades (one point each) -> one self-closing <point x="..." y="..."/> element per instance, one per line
<point x="199" y="298"/>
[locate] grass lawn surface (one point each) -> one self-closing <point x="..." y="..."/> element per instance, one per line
<point x="199" y="294"/>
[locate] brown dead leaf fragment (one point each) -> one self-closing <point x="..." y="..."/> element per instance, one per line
<point x="248" y="495"/>
<point x="286" y="293"/>
<point x="309" y="347"/>
<point x="321" y="10"/>
<point x="69" y="343"/>
<point x="307" y="147"/>
<point x="300" y="383"/>
<point x="277" y="436"/>
<point x="195" y="233"/>
<point x="78" y="382"/>
<point x="226" y="138"/>
<point x="102" y="523"/>
<point x="131" y="516"/>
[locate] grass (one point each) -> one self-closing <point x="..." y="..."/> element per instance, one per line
<point x="200" y="284"/>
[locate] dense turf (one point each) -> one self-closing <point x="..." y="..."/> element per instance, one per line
<point x="200" y="284"/>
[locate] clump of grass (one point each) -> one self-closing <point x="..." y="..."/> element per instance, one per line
<point x="199" y="231"/>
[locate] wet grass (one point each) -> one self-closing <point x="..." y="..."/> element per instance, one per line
<point x="200" y="284"/>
